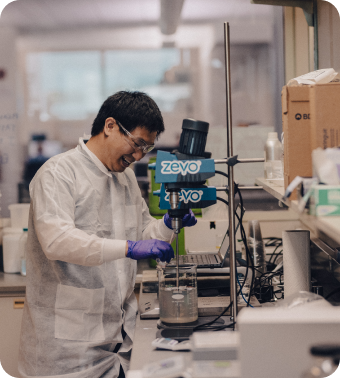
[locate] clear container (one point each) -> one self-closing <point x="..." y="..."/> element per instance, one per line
<point x="178" y="304"/>
<point x="22" y="246"/>
<point x="325" y="361"/>
<point x="273" y="169"/>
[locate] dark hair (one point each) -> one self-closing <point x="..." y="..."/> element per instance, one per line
<point x="131" y="109"/>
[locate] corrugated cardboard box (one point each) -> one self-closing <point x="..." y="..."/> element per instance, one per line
<point x="311" y="119"/>
<point x="325" y="115"/>
<point x="296" y="126"/>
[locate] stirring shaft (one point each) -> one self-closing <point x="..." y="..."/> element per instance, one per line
<point x="177" y="259"/>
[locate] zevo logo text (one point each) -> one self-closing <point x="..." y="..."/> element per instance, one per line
<point x="188" y="195"/>
<point x="183" y="167"/>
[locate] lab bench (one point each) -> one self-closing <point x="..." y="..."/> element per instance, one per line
<point x="143" y="353"/>
<point x="12" y="295"/>
<point x="325" y="240"/>
<point x="324" y="228"/>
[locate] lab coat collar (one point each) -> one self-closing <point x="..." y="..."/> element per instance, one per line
<point x="82" y="146"/>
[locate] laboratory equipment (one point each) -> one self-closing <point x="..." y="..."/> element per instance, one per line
<point x="284" y="336"/>
<point x="169" y="368"/>
<point x="22" y="246"/>
<point x="326" y="361"/>
<point x="215" y="354"/>
<point x="178" y="294"/>
<point x="215" y="345"/>
<point x="171" y="344"/>
<point x="182" y="176"/>
<point x="273" y="158"/>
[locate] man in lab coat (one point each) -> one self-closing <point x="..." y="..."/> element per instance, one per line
<point x="88" y="225"/>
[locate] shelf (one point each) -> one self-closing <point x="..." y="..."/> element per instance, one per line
<point x="326" y="229"/>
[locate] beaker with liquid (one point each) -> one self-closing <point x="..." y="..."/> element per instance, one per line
<point x="178" y="302"/>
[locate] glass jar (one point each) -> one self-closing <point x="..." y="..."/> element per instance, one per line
<point x="178" y="302"/>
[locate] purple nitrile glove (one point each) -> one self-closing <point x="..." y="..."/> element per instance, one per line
<point x="187" y="221"/>
<point x="154" y="248"/>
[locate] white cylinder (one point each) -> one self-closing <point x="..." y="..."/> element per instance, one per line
<point x="296" y="261"/>
<point x="19" y="214"/>
<point x="11" y="250"/>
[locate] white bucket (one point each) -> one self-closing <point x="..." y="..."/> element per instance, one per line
<point x="11" y="249"/>
<point x="19" y="215"/>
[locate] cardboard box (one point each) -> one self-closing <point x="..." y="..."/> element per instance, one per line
<point x="325" y="200"/>
<point x="325" y="115"/>
<point x="310" y="119"/>
<point x="296" y="126"/>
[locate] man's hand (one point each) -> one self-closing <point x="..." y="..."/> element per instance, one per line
<point x="154" y="248"/>
<point x="187" y="221"/>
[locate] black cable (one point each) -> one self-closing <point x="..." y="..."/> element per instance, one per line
<point x="250" y="259"/>
<point x="262" y="279"/>
<point x="223" y="200"/>
<point x="224" y="311"/>
<point x="240" y="221"/>
<point x="244" y="238"/>
<point x="335" y="291"/>
<point x="277" y="255"/>
<point x="214" y="320"/>
<point x="273" y="253"/>
<point x="222" y="173"/>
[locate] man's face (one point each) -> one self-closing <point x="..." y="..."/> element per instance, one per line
<point x="120" y="149"/>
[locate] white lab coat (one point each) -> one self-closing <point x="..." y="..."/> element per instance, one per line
<point x="80" y="285"/>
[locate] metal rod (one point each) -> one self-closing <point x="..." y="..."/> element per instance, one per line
<point x="224" y="188"/>
<point x="220" y="161"/>
<point x="177" y="260"/>
<point x="254" y="160"/>
<point x="250" y="187"/>
<point x="251" y="160"/>
<point x="231" y="207"/>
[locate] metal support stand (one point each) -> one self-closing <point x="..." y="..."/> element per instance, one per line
<point x="231" y="161"/>
<point x="231" y="193"/>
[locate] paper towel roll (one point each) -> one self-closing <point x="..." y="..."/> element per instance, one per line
<point x="296" y="261"/>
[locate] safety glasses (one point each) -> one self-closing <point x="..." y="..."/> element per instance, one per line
<point x="136" y="143"/>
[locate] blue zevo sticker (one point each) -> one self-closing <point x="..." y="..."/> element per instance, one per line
<point x="170" y="169"/>
<point x="189" y="198"/>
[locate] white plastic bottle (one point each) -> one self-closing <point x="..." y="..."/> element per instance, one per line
<point x="11" y="249"/>
<point x="22" y="244"/>
<point x="273" y="158"/>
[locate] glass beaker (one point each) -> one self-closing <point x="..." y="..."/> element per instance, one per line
<point x="178" y="303"/>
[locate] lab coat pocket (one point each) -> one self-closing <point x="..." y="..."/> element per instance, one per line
<point x="79" y="313"/>
<point x="133" y="222"/>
